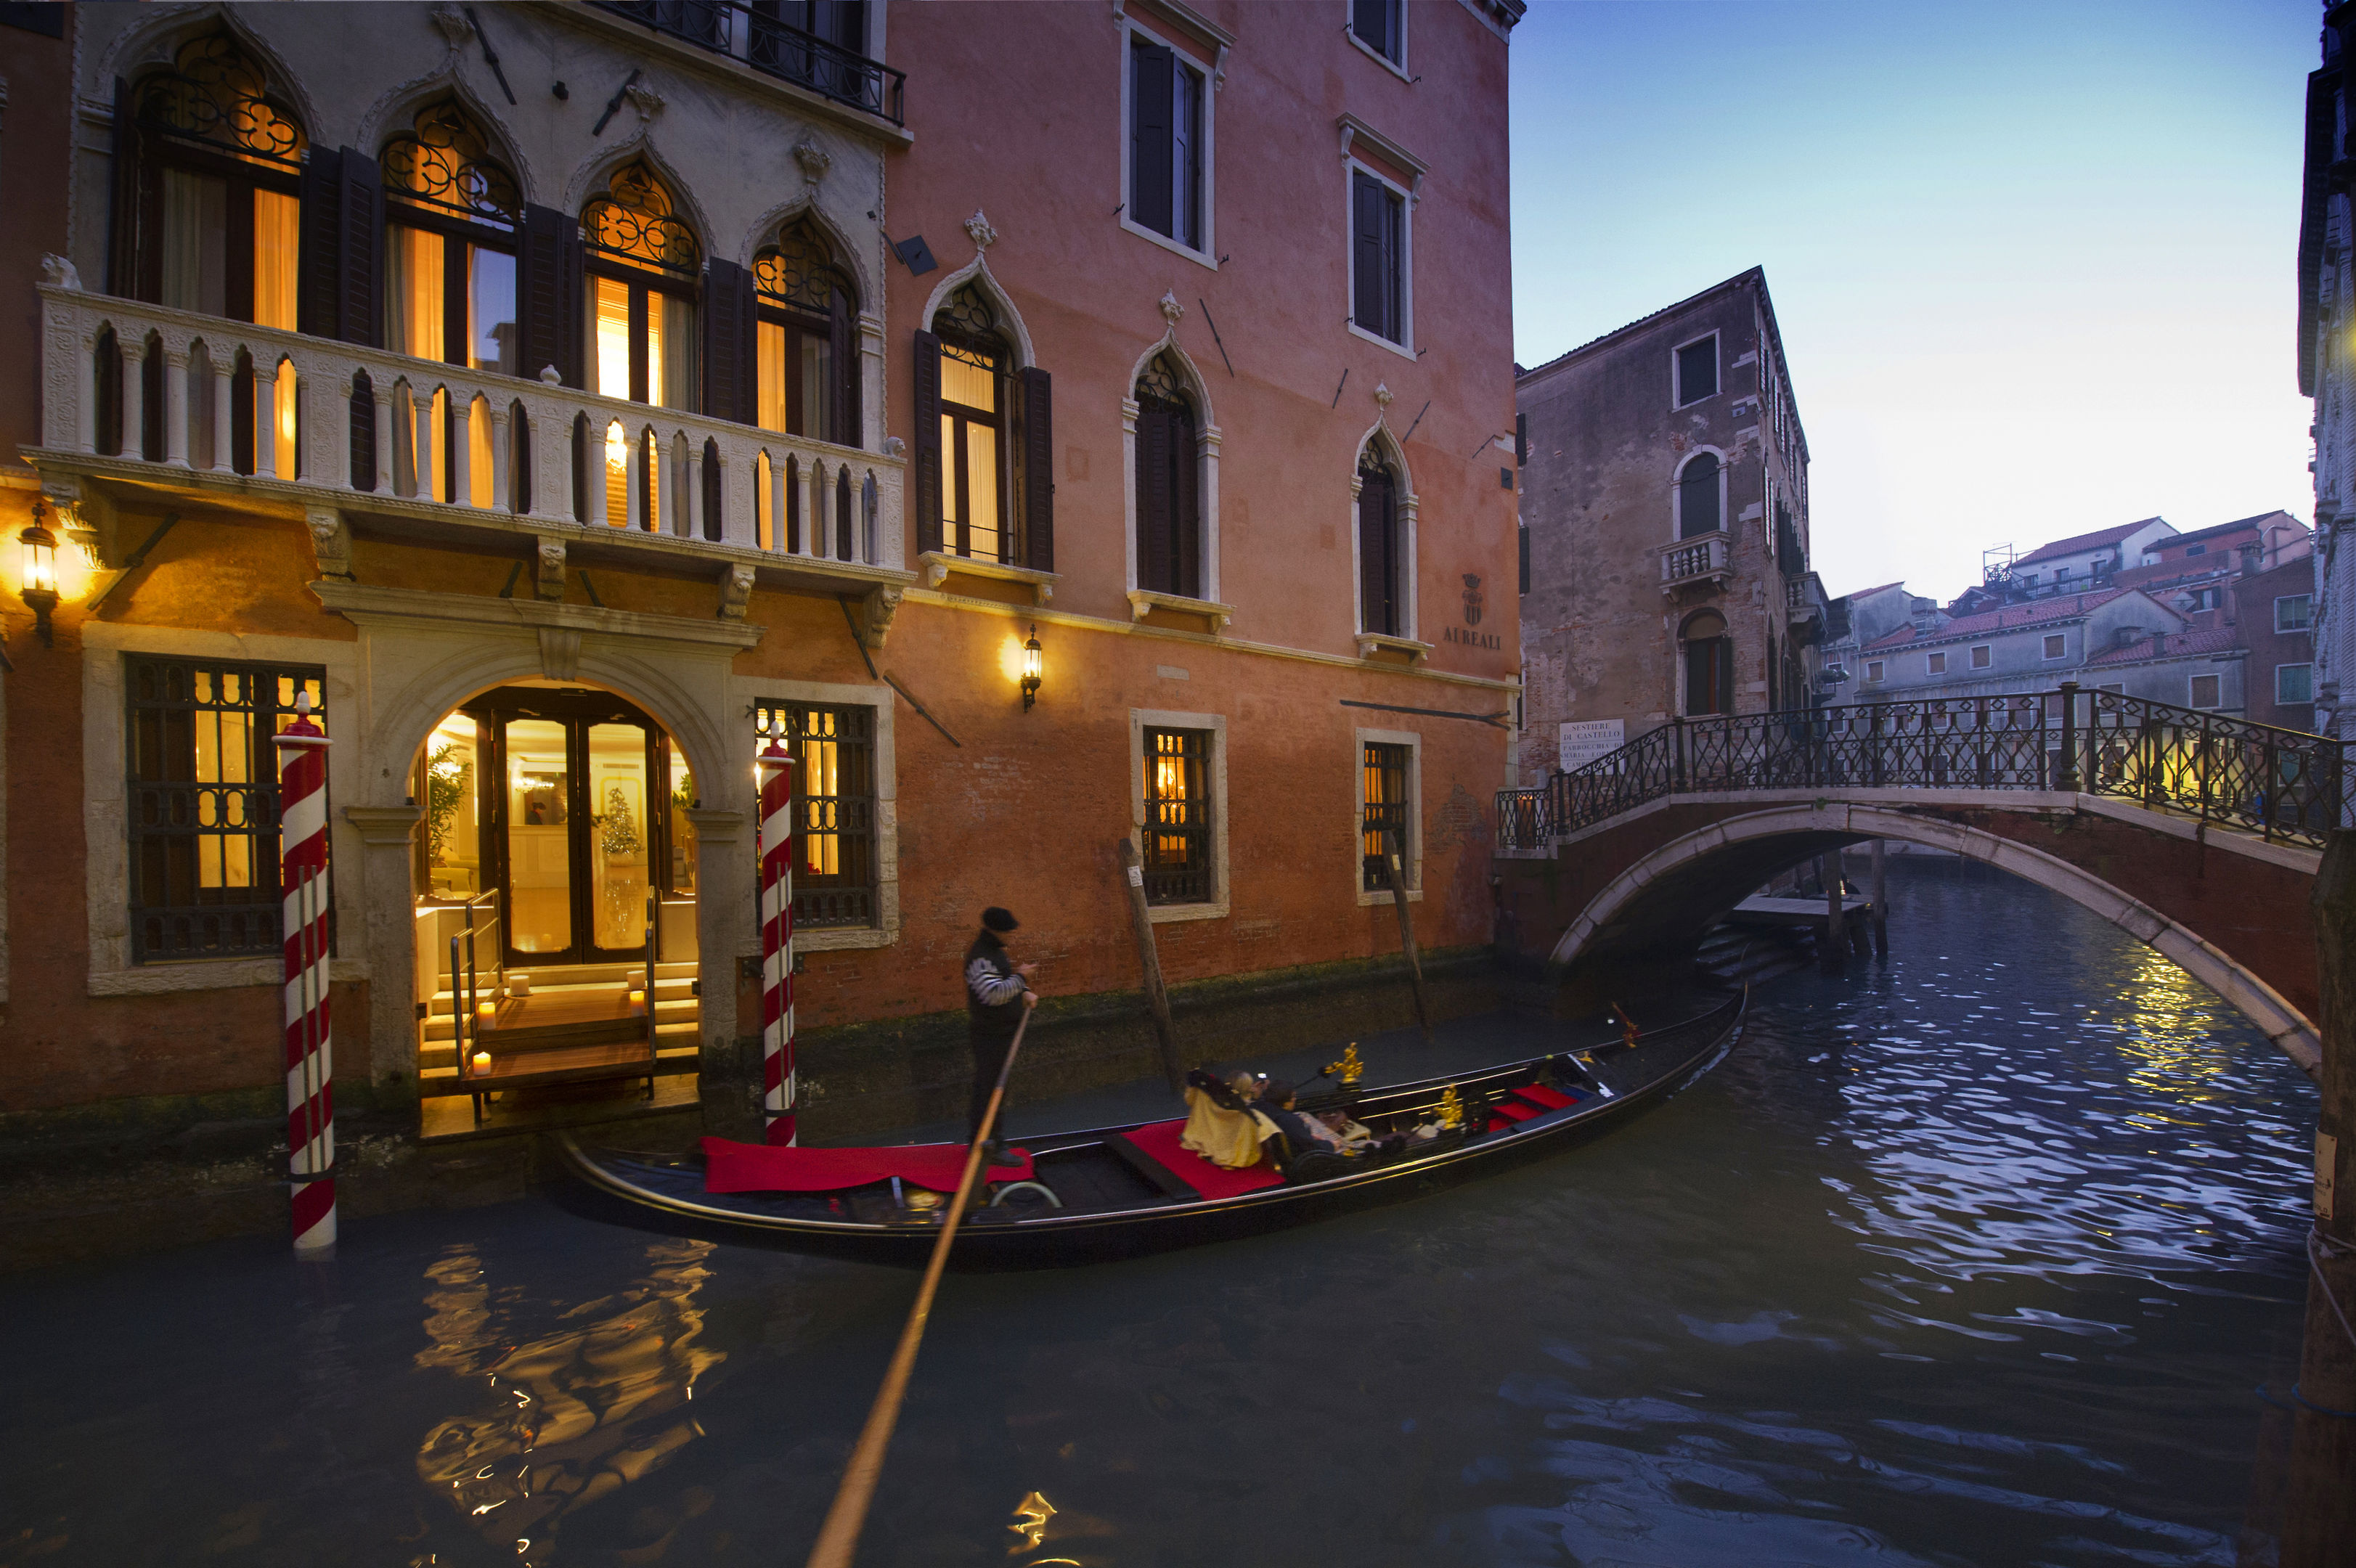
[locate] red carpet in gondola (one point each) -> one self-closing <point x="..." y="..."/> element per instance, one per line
<point x="756" y="1168"/>
<point x="1158" y="1142"/>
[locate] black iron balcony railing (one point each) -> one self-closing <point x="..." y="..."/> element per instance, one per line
<point x="2283" y="784"/>
<point x="754" y="35"/>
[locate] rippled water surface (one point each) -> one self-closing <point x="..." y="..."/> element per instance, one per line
<point x="1975" y="1259"/>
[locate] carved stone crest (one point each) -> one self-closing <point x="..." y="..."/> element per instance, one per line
<point x="645" y="100"/>
<point x="60" y="273"/>
<point x="1383" y="395"/>
<point x="978" y="227"/>
<point x="452" y="24"/>
<point x="882" y="603"/>
<point x="1170" y="309"/>
<point x="1473" y="599"/>
<point x="815" y="161"/>
<point x="331" y="541"/>
<point x="736" y="592"/>
<point x="548" y="570"/>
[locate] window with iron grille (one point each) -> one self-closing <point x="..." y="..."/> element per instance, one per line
<point x="201" y="785"/>
<point x="1383" y="819"/>
<point x="833" y="747"/>
<point x="1177" y="851"/>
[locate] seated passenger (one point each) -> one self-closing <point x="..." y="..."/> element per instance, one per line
<point x="1304" y="1133"/>
<point x="1225" y="1134"/>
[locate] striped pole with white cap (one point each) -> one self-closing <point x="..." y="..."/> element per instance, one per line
<point x="310" y="1062"/>
<point x="776" y="771"/>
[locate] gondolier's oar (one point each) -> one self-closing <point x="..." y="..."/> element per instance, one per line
<point x="839" y="1536"/>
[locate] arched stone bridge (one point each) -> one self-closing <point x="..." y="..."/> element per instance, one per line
<point x="2198" y="835"/>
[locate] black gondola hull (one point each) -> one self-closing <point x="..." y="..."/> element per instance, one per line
<point x="645" y="1197"/>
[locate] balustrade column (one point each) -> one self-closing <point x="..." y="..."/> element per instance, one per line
<point x="634" y="510"/>
<point x="462" y="450"/>
<point x="778" y="483"/>
<point x="134" y="355"/>
<point x="691" y="515"/>
<point x="224" y="392"/>
<point x="421" y="446"/>
<point x="502" y="458"/>
<point x="381" y="413"/>
<point x="176" y="407"/>
<point x="598" y="474"/>
<point x="265" y="420"/>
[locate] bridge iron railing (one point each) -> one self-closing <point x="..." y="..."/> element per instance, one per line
<point x="2283" y="784"/>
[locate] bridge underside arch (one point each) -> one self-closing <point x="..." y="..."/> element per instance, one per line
<point x="1667" y="899"/>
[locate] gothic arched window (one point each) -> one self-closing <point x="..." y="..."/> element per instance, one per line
<point x="1710" y="662"/>
<point x="1700" y="508"/>
<point x="809" y="356"/>
<point x="451" y="210"/>
<point x="973" y="365"/>
<point x="1169" y="487"/>
<point x="644" y="264"/>
<point x="1382" y="597"/>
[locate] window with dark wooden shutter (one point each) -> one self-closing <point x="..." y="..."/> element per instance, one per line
<point x="131" y="175"/>
<point x="1697" y="510"/>
<point x="843" y="345"/>
<point x="549" y="269"/>
<point x="1377" y="552"/>
<point x="360" y="241"/>
<point x="1152" y="169"/>
<point x="1697" y="371"/>
<point x="1525" y="531"/>
<point x="727" y="341"/>
<point x="1376" y="221"/>
<point x="1376" y="24"/>
<point x="1156" y="565"/>
<point x="925" y="440"/>
<point x="1038" y="452"/>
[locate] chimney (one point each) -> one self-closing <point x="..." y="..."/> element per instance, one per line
<point x="2250" y="557"/>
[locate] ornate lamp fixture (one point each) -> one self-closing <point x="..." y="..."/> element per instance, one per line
<point x="40" y="579"/>
<point x="1033" y="666"/>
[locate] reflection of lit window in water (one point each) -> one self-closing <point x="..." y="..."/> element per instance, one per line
<point x="2167" y="1036"/>
<point x="572" y="1416"/>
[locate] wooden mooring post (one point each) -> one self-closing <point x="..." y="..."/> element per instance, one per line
<point x="2318" y="1520"/>
<point x="1829" y="959"/>
<point x="1395" y="869"/>
<point x="1157" y="998"/>
<point x="1881" y="904"/>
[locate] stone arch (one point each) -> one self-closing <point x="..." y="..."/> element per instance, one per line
<point x="847" y="252"/>
<point x="409" y="716"/>
<point x="1386" y="442"/>
<point x="1823" y="827"/>
<point x="1197" y="386"/>
<point x="977" y="271"/>
<point x="392" y="113"/>
<point x="157" y="42"/>
<point x="591" y="177"/>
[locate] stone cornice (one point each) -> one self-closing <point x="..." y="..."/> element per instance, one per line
<point x="364" y="605"/>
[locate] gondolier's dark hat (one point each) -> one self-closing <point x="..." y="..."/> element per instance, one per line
<point x="996" y="919"/>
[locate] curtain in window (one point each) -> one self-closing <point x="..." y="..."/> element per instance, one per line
<point x="413" y="293"/>
<point x="195" y="242"/>
<point x="277" y="242"/>
<point x="671" y="373"/>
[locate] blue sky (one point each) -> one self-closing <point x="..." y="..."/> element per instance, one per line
<point x="2034" y="264"/>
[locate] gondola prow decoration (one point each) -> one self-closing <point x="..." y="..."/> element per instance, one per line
<point x="838" y="1539"/>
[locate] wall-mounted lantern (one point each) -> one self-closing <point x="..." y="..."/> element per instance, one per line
<point x="41" y="567"/>
<point x="1034" y="666"/>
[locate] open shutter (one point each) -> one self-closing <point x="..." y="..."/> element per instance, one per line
<point x="319" y="298"/>
<point x="1374" y="553"/>
<point x="1153" y="75"/>
<point x="1366" y="251"/>
<point x="1185" y="507"/>
<point x="843" y="341"/>
<point x="131" y="175"/>
<point x="360" y="199"/>
<point x="728" y="340"/>
<point x="925" y="440"/>
<point x="549" y="283"/>
<point x="1725" y="675"/>
<point x="1038" y="469"/>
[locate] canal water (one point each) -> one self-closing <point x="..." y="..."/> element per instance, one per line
<point x="1979" y="1257"/>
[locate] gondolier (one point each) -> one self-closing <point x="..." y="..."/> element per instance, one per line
<point x="997" y="992"/>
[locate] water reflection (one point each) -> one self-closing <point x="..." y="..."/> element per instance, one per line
<point x="567" y="1418"/>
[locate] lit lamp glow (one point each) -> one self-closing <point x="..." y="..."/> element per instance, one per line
<point x="638" y="1002"/>
<point x="1033" y="666"/>
<point x="40" y="579"/>
<point x="487" y="1015"/>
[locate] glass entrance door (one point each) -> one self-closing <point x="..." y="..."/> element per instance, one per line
<point x="576" y="834"/>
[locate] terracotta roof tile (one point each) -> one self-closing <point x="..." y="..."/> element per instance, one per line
<point x="2006" y="619"/>
<point x="2171" y="644"/>
<point x="2078" y="542"/>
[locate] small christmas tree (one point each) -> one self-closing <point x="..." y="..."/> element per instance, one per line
<point x="617" y="825"/>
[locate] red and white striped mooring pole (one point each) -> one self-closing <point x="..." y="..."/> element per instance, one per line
<point x="310" y="1065"/>
<point x="776" y="771"/>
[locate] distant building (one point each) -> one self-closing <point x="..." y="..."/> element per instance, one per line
<point x="2137" y="643"/>
<point x="2087" y="560"/>
<point x="1664" y="504"/>
<point x="2273" y="611"/>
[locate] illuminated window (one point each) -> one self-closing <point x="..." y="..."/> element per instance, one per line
<point x="644" y="264"/>
<point x="973" y="426"/>
<point x="834" y="798"/>
<point x="1388" y="816"/>
<point x="202" y="807"/>
<point x="807" y="358"/>
<point x="1177" y="833"/>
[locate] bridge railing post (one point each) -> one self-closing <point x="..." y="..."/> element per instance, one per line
<point x="1678" y="762"/>
<point x="2067" y="776"/>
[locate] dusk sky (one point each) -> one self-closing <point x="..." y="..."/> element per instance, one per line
<point x="2033" y="264"/>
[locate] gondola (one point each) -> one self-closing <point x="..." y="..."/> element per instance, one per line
<point x="1129" y="1191"/>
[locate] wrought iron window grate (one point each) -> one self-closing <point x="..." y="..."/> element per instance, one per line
<point x="833" y="747"/>
<point x="1384" y="820"/>
<point x="755" y="34"/>
<point x="1177" y="851"/>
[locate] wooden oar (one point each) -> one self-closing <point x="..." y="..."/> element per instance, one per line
<point x="839" y="1536"/>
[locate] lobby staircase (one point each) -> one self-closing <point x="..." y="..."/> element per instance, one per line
<point x="678" y="1015"/>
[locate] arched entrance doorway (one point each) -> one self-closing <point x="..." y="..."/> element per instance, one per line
<point x="555" y="877"/>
